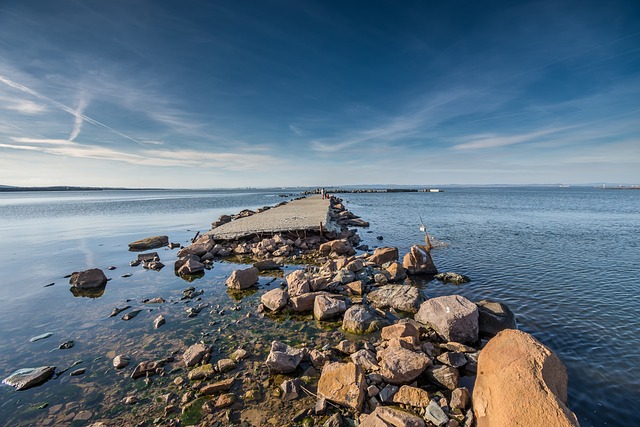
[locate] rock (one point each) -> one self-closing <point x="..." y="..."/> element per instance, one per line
<point x="412" y="396"/>
<point x="356" y="287"/>
<point x="347" y="347"/>
<point x="344" y="384"/>
<point x="283" y="359"/>
<point x="267" y="264"/>
<point x="453" y="359"/>
<point x="396" y="271"/>
<point x="159" y="321"/>
<point x="305" y="302"/>
<point x="344" y="276"/>
<point x="520" y="379"/>
<point x="435" y="415"/>
<point x="130" y="400"/>
<point x="383" y="255"/>
<point x="243" y="279"/>
<point x="386" y="416"/>
<point x="275" y="299"/>
<point x="401" y="366"/>
<point x="156" y="300"/>
<point x="400" y="330"/>
<point x="291" y="389"/>
<point x="152" y="265"/>
<point x="194" y="354"/>
<point x="460" y="399"/>
<point x="121" y="361"/>
<point x="225" y="400"/>
<point x="325" y="307"/>
<point x="130" y="315"/>
<point x="418" y="261"/>
<point x="149" y="256"/>
<point x="358" y="319"/>
<point x="202" y="372"/>
<point x="453" y="316"/>
<point x="239" y="354"/>
<point x="147" y="368"/>
<point x="451" y="277"/>
<point x="366" y="359"/>
<point x="444" y="376"/>
<point x="190" y="267"/>
<point x="78" y="372"/>
<point x="226" y="365"/>
<point x="149" y="243"/>
<point x="494" y="317"/>
<point x="88" y="279"/>
<point x="338" y="247"/>
<point x="224" y="385"/>
<point x="298" y="283"/>
<point x="82" y="417"/>
<point x="387" y="393"/>
<point x="26" y="378"/>
<point x="66" y="345"/>
<point x="40" y="337"/>
<point x="401" y="297"/>
<point x="118" y="310"/>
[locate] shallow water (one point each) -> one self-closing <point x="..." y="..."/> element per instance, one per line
<point x="564" y="260"/>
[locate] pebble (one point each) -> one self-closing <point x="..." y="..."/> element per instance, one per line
<point x="77" y="372"/>
<point x="66" y="345"/>
<point x="40" y="337"/>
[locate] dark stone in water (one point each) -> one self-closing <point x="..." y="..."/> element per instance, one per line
<point x="127" y="275"/>
<point x="111" y="267"/>
<point x="66" y="345"/>
<point x="77" y="372"/>
<point x="40" y="337"/>
<point x="130" y="315"/>
<point x="25" y="378"/>
<point x="117" y="310"/>
<point x="50" y="284"/>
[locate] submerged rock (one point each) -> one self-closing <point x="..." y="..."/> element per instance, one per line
<point x="25" y="378"/>
<point x="159" y="321"/>
<point x="40" y="337"/>
<point x="88" y="279"/>
<point x="451" y="277"/>
<point x="149" y="243"/>
<point x="66" y="345"/>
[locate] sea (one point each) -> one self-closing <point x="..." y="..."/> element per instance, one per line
<point x="565" y="260"/>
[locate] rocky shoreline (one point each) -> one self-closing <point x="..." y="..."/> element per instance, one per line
<point x="387" y="355"/>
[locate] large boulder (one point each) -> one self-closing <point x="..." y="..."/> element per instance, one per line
<point x="298" y="283"/>
<point x="418" y="261"/>
<point x="305" y="302"/>
<point x="283" y="359"/>
<point x="387" y="416"/>
<point x="452" y="316"/>
<point x="275" y="299"/>
<point x="401" y="297"/>
<point x="344" y="384"/>
<point x="326" y="307"/>
<point x="88" y="279"/>
<point x="243" y="279"/>
<point x="360" y="320"/>
<point x="520" y="382"/>
<point x="149" y="243"/>
<point x="384" y="255"/>
<point x="402" y="366"/>
<point x="494" y="317"/>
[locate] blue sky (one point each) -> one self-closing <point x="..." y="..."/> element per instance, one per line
<point x="206" y="94"/>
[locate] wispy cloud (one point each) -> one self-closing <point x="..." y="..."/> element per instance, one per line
<point x="295" y="130"/>
<point x="478" y="142"/>
<point x="26" y="107"/>
<point x="78" y="120"/>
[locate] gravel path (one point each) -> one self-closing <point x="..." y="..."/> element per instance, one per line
<point x="303" y="214"/>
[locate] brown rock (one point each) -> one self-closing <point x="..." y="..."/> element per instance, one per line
<point x="460" y="399"/>
<point x="305" y="302"/>
<point x="520" y="381"/>
<point x="400" y="330"/>
<point x="191" y="266"/>
<point x="418" y="261"/>
<point x="275" y="299"/>
<point x="243" y="279"/>
<point x="401" y="297"/>
<point x="194" y="354"/>
<point x="298" y="283"/>
<point x="386" y="416"/>
<point x="396" y="272"/>
<point x="452" y="316"/>
<point x="412" y="396"/>
<point x="444" y="376"/>
<point x="325" y="307"/>
<point x="88" y="279"/>
<point x="149" y="243"/>
<point x="217" y="387"/>
<point x="356" y="288"/>
<point x="344" y="384"/>
<point x="383" y="255"/>
<point x="401" y="366"/>
<point x="225" y="400"/>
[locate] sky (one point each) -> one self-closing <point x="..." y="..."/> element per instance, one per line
<point x="210" y="94"/>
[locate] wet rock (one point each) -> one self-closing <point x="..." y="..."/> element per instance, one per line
<point x="66" y="345"/>
<point x="384" y="255"/>
<point x="453" y="359"/>
<point x="326" y="308"/>
<point x="344" y="384"/>
<point x="152" y="265"/>
<point x="191" y="266"/>
<point x="26" y="378"/>
<point x="412" y="396"/>
<point x="460" y="399"/>
<point x="494" y="317"/>
<point x="298" y="283"/>
<point x="267" y="264"/>
<point x="239" y="354"/>
<point x="275" y="299"/>
<point x="452" y="316"/>
<point x="202" y="372"/>
<point x="360" y="320"/>
<point x="243" y="279"/>
<point x="147" y="368"/>
<point x="40" y="337"/>
<point x="194" y="354"/>
<point x="156" y="300"/>
<point x="291" y="389"/>
<point x="401" y="297"/>
<point x="401" y="366"/>
<point x="159" y="321"/>
<point x="444" y="376"/>
<point x="117" y="310"/>
<point x="385" y="416"/>
<point x="121" y="361"/>
<point x="78" y="372"/>
<point x="82" y="416"/>
<point x="418" y="261"/>
<point x="217" y="387"/>
<point x="130" y="400"/>
<point x="226" y="365"/>
<point x="435" y="415"/>
<point x="283" y="359"/>
<point x="520" y="379"/>
<point x="149" y="243"/>
<point x="366" y="359"/>
<point x="130" y="315"/>
<point x="451" y="277"/>
<point x="88" y="279"/>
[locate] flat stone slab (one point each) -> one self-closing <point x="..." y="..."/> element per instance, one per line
<point x="303" y="214"/>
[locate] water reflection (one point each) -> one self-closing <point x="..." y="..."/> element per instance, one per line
<point x="88" y="293"/>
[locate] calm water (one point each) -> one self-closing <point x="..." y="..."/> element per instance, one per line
<point x="565" y="261"/>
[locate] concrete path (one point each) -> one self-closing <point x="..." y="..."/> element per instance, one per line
<point x="297" y="215"/>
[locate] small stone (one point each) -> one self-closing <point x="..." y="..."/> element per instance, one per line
<point x="387" y="393"/>
<point x="444" y="376"/>
<point x="201" y="372"/>
<point x="347" y="347"/>
<point x="224" y="385"/>
<point x="159" y="321"/>
<point x="130" y="400"/>
<point x="291" y="389"/>
<point x="453" y="359"/>
<point x="83" y="416"/>
<point x="40" y="337"/>
<point x="120" y="361"/>
<point x="78" y="372"/>
<point x="226" y="365"/>
<point x="239" y="354"/>
<point x="130" y="315"/>
<point x="66" y="345"/>
<point x="434" y="414"/>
